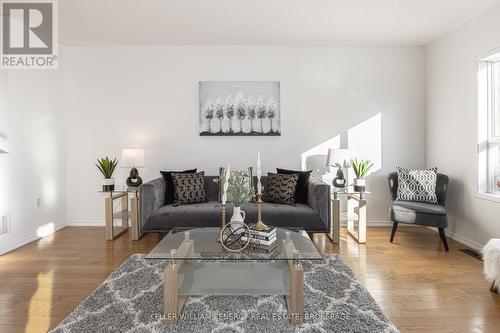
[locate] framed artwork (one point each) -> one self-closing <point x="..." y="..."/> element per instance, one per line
<point x="240" y="108"/>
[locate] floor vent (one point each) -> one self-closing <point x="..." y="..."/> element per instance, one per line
<point x="473" y="253"/>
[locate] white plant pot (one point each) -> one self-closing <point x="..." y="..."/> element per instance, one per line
<point x="238" y="215"/>
<point x="108" y="184"/>
<point x="359" y="185"/>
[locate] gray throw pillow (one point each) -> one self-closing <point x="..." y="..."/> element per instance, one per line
<point x="281" y="188"/>
<point x="417" y="185"/>
<point x="189" y="188"/>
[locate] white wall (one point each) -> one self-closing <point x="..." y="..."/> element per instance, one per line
<point x="33" y="122"/>
<point x="118" y="97"/>
<point x="450" y="124"/>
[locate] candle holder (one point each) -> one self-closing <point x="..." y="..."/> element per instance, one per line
<point x="259" y="225"/>
<point x="222" y="220"/>
<point x="223" y="217"/>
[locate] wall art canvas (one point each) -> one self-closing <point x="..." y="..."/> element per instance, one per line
<point x="240" y="108"/>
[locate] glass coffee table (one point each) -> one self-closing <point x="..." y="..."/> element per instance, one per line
<point x="199" y="265"/>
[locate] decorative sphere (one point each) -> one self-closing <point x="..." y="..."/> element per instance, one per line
<point x="232" y="234"/>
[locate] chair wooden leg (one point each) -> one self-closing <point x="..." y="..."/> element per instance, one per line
<point x="494" y="288"/>
<point x="394" y="227"/>
<point x="443" y="238"/>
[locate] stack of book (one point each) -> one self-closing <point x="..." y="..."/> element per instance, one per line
<point x="262" y="240"/>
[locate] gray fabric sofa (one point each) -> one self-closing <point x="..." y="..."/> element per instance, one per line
<point x="426" y="214"/>
<point x="156" y="216"/>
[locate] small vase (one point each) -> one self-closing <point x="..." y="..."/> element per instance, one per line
<point x="359" y="185"/>
<point x="108" y="184"/>
<point x="238" y="215"/>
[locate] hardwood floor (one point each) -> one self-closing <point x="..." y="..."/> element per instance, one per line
<point x="419" y="286"/>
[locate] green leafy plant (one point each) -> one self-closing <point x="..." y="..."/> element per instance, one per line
<point x="106" y="166"/>
<point x="238" y="191"/>
<point x="361" y="167"/>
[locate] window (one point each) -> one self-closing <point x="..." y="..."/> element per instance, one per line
<point x="488" y="126"/>
<point x="494" y="137"/>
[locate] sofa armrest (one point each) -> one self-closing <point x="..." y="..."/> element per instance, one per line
<point x="318" y="198"/>
<point x="152" y="196"/>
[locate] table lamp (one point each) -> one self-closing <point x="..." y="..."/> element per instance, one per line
<point x="339" y="158"/>
<point x="133" y="158"/>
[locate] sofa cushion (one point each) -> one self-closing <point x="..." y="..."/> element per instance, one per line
<point x="189" y="188"/>
<point x="418" y="207"/>
<point x="208" y="215"/>
<point x="169" y="183"/>
<point x="281" y="188"/>
<point x="301" y="190"/>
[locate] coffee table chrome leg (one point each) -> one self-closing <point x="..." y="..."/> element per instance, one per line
<point x="295" y="301"/>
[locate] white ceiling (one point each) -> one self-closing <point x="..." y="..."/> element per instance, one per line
<point x="249" y="22"/>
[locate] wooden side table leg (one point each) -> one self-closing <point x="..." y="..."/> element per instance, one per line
<point x="336" y="220"/>
<point x="124" y="208"/>
<point x="108" y="208"/>
<point x="350" y="223"/>
<point x="334" y="232"/>
<point x="135" y="234"/>
<point x="362" y="221"/>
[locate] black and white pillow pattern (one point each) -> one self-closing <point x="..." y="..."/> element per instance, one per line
<point x="189" y="188"/>
<point x="281" y="188"/>
<point x="417" y="185"/>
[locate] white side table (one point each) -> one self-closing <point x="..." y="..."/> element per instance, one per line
<point x="354" y="200"/>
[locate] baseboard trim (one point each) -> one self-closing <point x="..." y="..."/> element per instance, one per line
<point x="86" y="223"/>
<point x="382" y="224"/>
<point x="461" y="239"/>
<point x="13" y="246"/>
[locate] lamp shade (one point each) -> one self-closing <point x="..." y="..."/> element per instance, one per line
<point x="340" y="156"/>
<point x="133" y="157"/>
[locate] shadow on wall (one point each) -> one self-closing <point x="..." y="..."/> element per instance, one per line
<point x="364" y="140"/>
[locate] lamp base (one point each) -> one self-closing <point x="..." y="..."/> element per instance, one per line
<point x="339" y="181"/>
<point x="134" y="180"/>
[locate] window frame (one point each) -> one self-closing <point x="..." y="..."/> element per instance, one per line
<point x="485" y="112"/>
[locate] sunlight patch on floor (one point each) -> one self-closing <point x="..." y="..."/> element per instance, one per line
<point x="40" y="305"/>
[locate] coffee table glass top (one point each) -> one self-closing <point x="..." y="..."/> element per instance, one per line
<point x="203" y="245"/>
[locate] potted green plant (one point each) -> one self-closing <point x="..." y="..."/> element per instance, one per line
<point x="238" y="193"/>
<point x="107" y="167"/>
<point x="361" y="169"/>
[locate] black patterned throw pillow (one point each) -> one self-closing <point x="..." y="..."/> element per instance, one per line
<point x="417" y="185"/>
<point x="281" y="188"/>
<point x="302" y="183"/>
<point x="169" y="184"/>
<point x="189" y="188"/>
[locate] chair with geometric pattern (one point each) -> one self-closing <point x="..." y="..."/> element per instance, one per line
<point x="425" y="214"/>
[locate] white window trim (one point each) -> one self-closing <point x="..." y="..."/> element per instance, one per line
<point x="480" y="193"/>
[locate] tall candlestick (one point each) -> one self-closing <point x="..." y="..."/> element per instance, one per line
<point x="259" y="225"/>
<point x="226" y="185"/>
<point x="259" y="174"/>
<point x="224" y="198"/>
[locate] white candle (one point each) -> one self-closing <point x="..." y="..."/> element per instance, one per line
<point x="259" y="174"/>
<point x="226" y="185"/>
